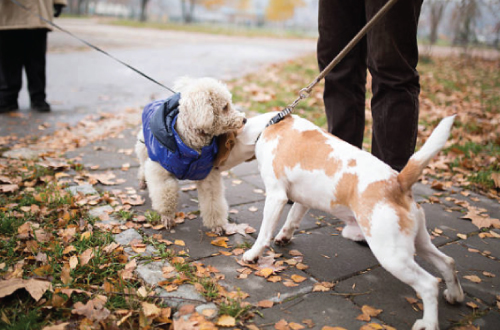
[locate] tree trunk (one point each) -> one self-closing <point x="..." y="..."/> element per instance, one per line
<point x="143" y="16"/>
<point x="437" y="9"/>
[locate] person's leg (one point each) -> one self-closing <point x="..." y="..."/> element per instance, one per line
<point x="10" y="68"/>
<point x="392" y="61"/>
<point x="35" y="68"/>
<point x="344" y="96"/>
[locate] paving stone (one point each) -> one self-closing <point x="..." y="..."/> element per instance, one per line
<point x="254" y="180"/>
<point x="22" y="153"/>
<point x="345" y="257"/>
<point x="209" y="310"/>
<point x="198" y="244"/>
<point x="258" y="287"/>
<point x="125" y="237"/>
<point x="100" y="210"/>
<point x="150" y="251"/>
<point x="242" y="192"/>
<point x="105" y="155"/>
<point x="379" y="289"/>
<point x="312" y="219"/>
<point x="246" y="168"/>
<point x="490" y="321"/>
<point x="186" y="294"/>
<point x="484" y="244"/>
<point x="151" y="272"/>
<point x="470" y="263"/>
<point x="85" y="189"/>
<point x="449" y="223"/>
<point x="421" y="192"/>
<point x="323" y="309"/>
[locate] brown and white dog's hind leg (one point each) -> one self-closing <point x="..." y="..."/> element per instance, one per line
<point x="275" y="202"/>
<point x="445" y="264"/>
<point x="163" y="191"/>
<point x="292" y="223"/>
<point x="395" y="250"/>
<point x="213" y="205"/>
<point x="142" y="153"/>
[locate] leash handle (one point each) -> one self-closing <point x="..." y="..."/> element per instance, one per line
<point x="304" y="92"/>
<point x="17" y="3"/>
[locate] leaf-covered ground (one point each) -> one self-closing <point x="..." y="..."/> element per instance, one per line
<point x="60" y="267"/>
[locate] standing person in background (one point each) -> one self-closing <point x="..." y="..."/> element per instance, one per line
<point x="23" y="44"/>
<point x="390" y="52"/>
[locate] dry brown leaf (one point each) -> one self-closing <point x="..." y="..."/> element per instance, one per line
<point x="36" y="288"/>
<point x="220" y="241"/>
<point x="370" y="311"/>
<point x="281" y="325"/>
<point x="60" y="326"/>
<point x="265" y="304"/>
<point x="473" y="278"/>
<point x="295" y="326"/>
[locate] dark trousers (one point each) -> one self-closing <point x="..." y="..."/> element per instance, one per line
<point x="390" y="52"/>
<point x="22" y="49"/>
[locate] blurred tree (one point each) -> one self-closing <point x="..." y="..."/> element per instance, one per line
<point x="282" y="10"/>
<point x="143" y="16"/>
<point x="436" y="11"/>
<point x="189" y="5"/>
<point x="465" y="18"/>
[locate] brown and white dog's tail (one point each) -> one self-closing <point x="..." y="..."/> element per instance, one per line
<point x="412" y="171"/>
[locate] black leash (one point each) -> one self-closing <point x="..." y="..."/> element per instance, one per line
<point x="17" y="3"/>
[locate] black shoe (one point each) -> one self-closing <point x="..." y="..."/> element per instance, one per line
<point x="9" y="107"/>
<point x="40" y="106"/>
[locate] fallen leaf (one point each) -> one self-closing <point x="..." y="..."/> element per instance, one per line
<point x="220" y="241"/>
<point x="370" y="311"/>
<point x="295" y="326"/>
<point x="473" y="278"/>
<point x="36" y="288"/>
<point x="226" y="321"/>
<point x="265" y="304"/>
<point x="281" y="325"/>
<point x="298" y="278"/>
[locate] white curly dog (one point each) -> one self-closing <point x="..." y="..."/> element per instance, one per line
<point x="205" y="111"/>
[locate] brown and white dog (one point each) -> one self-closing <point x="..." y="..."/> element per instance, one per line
<point x="298" y="161"/>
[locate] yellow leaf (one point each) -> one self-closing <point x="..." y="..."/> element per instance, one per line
<point x="226" y="321"/>
<point x="85" y="235"/>
<point x="221" y="241"/>
<point x="265" y="272"/>
<point x="295" y="326"/>
<point x="298" y="278"/>
<point x="179" y="242"/>
<point x="332" y="328"/>
<point x="150" y="310"/>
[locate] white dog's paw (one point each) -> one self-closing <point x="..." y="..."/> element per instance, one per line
<point x="353" y="233"/>
<point x="282" y="239"/>
<point x="219" y="230"/>
<point x="167" y="221"/>
<point x="142" y="184"/>
<point x="250" y="256"/>
<point x="453" y="297"/>
<point x="425" y="325"/>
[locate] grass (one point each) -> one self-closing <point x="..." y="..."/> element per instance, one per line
<point x="220" y="29"/>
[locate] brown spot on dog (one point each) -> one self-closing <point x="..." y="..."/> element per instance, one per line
<point x="351" y="163"/>
<point x="307" y="149"/>
<point x="410" y="174"/>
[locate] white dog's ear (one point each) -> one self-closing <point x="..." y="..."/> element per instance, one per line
<point x="181" y="83"/>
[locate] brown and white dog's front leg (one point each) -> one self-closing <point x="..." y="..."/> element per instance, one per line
<point x="292" y="223"/>
<point x="213" y="204"/>
<point x="275" y="201"/>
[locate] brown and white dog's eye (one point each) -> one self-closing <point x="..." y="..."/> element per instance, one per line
<point x="226" y="108"/>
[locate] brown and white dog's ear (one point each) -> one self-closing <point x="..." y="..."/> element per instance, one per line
<point x="225" y="144"/>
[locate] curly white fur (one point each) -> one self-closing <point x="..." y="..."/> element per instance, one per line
<point x="205" y="111"/>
